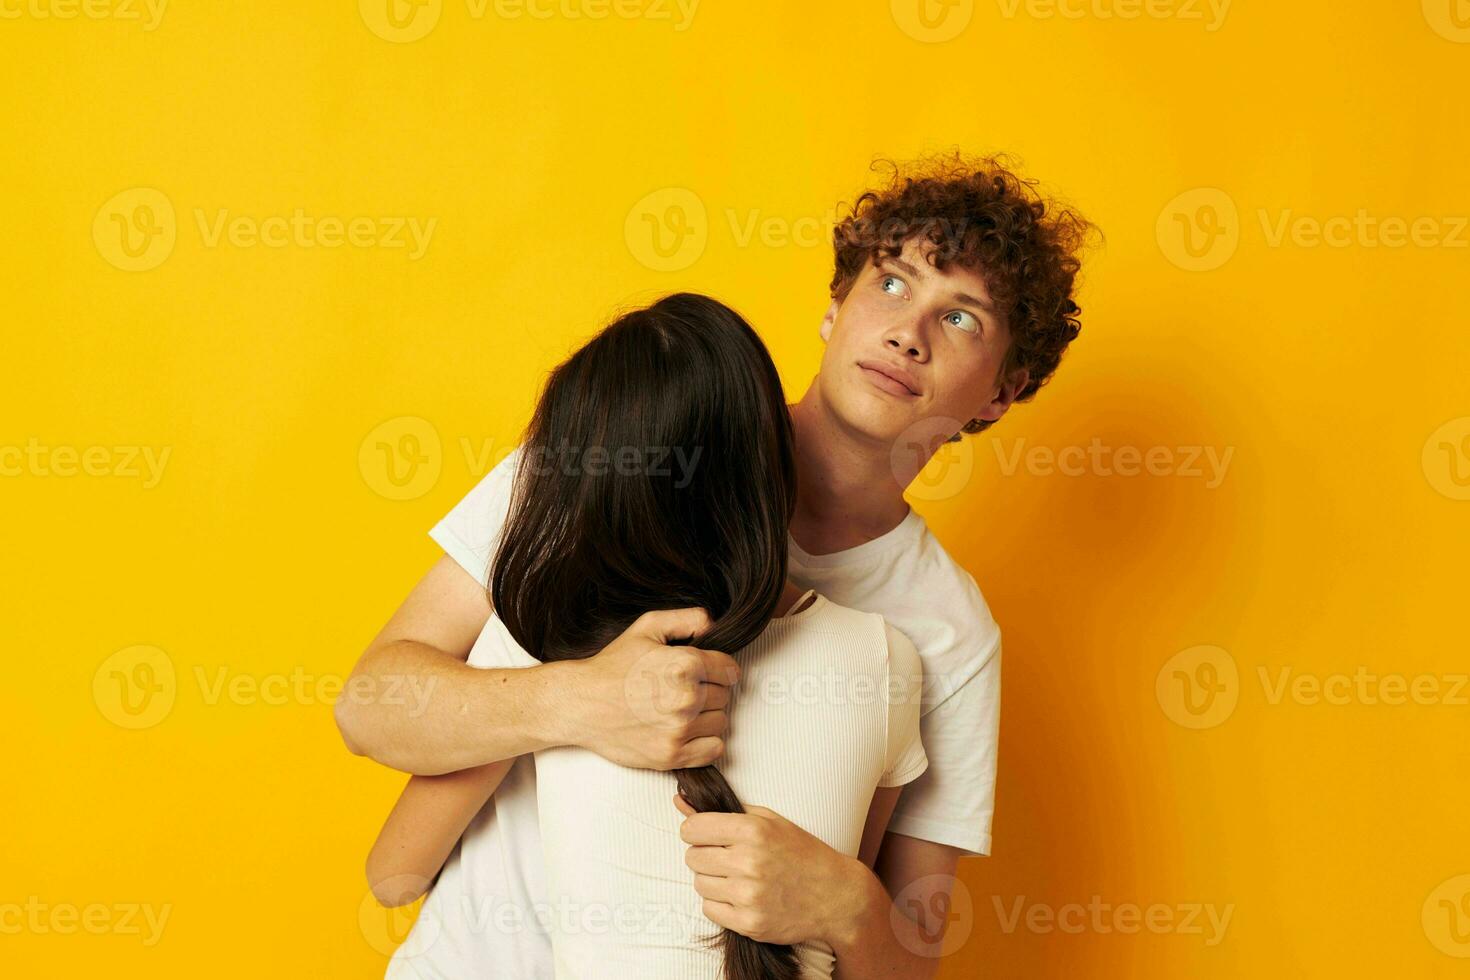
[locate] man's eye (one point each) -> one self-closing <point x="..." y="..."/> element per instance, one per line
<point x="964" y="320"/>
<point x="891" y="285"/>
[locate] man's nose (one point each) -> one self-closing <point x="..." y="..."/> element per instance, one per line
<point x="907" y="342"/>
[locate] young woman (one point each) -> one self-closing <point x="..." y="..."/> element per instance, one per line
<point x="657" y="473"/>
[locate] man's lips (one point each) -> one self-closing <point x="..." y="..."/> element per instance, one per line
<point x="889" y="379"/>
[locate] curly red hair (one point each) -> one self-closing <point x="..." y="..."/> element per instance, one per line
<point x="979" y="215"/>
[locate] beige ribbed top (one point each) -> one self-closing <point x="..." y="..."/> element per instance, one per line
<point x="826" y="711"/>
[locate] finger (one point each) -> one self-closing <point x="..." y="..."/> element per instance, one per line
<point x="666" y="625"/>
<point x="702" y="751"/>
<point x="707" y="723"/>
<point x="683" y="805"/>
<point x="724" y="914"/>
<point x="715" y="696"/>
<point x="715" y="888"/>
<point x="718" y="667"/>
<point x="713" y="861"/>
<point x="715" y="829"/>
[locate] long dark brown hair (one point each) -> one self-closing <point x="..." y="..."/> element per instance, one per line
<point x="656" y="473"/>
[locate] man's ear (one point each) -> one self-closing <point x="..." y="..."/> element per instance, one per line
<point x="1005" y="395"/>
<point x="828" y="320"/>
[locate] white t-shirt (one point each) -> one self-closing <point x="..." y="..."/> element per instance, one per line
<point x="826" y="711"/>
<point x="488" y="911"/>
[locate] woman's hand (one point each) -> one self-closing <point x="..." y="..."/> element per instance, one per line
<point x="764" y="877"/>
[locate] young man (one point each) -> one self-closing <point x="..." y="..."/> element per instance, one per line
<point x="951" y="300"/>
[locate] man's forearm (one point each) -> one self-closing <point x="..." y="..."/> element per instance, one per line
<point x="414" y="708"/>
<point x="867" y="942"/>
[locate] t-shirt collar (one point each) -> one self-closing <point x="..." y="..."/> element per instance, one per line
<point x="899" y="536"/>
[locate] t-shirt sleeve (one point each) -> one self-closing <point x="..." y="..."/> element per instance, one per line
<point x="906" y="759"/>
<point x="953" y="802"/>
<point x="495" y="647"/>
<point x="471" y="531"/>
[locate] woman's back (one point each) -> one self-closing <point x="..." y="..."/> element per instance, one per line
<point x="826" y="711"/>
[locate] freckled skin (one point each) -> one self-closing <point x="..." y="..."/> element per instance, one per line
<point x="937" y="324"/>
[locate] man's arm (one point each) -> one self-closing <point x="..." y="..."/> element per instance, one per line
<point x="411" y="696"/>
<point x="413" y="703"/>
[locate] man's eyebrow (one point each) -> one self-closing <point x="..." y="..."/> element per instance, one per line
<point x="908" y="268"/>
<point x="902" y="266"/>
<point x="975" y="301"/>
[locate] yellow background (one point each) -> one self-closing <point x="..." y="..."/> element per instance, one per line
<point x="273" y="545"/>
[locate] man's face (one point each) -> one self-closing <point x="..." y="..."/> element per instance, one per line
<point x="909" y="343"/>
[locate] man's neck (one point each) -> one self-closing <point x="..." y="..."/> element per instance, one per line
<point x="790" y="592"/>
<point x="847" y="493"/>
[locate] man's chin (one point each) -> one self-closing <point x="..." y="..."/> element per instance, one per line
<point x="867" y="417"/>
<point x="881" y="425"/>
